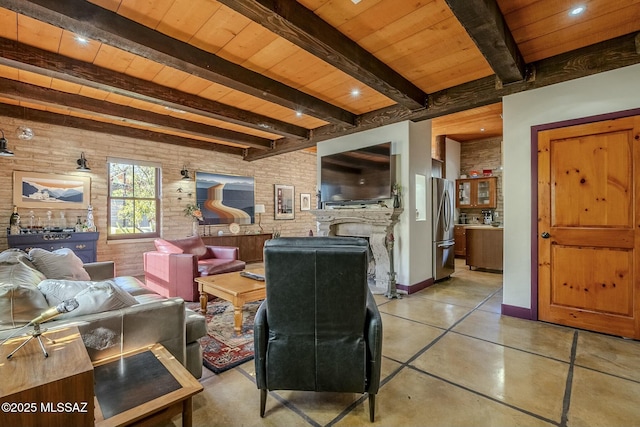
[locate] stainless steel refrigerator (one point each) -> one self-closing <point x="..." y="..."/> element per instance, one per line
<point x="443" y="194"/>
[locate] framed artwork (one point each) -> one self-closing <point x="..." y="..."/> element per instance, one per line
<point x="284" y="202"/>
<point x="305" y="201"/>
<point x="225" y="199"/>
<point x="50" y="191"/>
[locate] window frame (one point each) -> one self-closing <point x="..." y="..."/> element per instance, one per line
<point x="157" y="199"/>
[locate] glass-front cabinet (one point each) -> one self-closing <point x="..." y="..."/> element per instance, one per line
<point x="476" y="193"/>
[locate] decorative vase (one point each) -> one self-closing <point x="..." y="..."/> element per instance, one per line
<point x="396" y="200"/>
<point x="195" y="224"/>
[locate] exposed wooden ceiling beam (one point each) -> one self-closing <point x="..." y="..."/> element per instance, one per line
<point x="486" y="26"/>
<point x="605" y="56"/>
<point x="44" y="96"/>
<point x="39" y="61"/>
<point x="292" y="21"/>
<point x="111" y="129"/>
<point x="82" y="17"/>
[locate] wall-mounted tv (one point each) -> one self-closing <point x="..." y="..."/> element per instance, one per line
<point x="362" y="175"/>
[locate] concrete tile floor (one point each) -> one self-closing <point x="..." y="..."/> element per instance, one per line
<point x="451" y="359"/>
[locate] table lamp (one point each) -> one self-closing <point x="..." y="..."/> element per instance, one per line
<point x="259" y="209"/>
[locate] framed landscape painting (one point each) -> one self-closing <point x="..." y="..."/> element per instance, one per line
<point x="225" y="199"/>
<point x="50" y="191"/>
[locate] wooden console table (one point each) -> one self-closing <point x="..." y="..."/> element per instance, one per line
<point x="47" y="391"/>
<point x="251" y="245"/>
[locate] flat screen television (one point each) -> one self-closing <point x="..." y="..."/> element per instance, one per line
<point x="364" y="175"/>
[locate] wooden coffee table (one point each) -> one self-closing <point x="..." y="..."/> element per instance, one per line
<point x="234" y="288"/>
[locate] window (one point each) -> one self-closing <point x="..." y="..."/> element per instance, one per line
<point x="134" y="199"/>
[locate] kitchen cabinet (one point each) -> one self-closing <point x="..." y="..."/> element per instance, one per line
<point x="477" y="193"/>
<point x="484" y="247"/>
<point x="250" y="246"/>
<point x="460" y="236"/>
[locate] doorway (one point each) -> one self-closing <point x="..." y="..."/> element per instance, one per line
<point x="588" y="240"/>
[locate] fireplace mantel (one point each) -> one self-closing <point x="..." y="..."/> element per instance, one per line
<point x="373" y="223"/>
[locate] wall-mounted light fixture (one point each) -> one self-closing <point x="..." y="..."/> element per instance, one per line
<point x="259" y="209"/>
<point x="185" y="173"/>
<point x="82" y="163"/>
<point x="4" y="152"/>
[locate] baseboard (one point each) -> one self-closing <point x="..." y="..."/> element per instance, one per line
<point x="514" y="311"/>
<point x="415" y="288"/>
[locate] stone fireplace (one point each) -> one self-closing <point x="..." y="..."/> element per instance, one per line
<point x="373" y="223"/>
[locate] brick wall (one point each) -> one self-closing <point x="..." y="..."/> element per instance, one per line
<point x="479" y="155"/>
<point x="55" y="149"/>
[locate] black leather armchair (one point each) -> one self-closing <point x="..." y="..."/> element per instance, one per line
<point x="319" y="328"/>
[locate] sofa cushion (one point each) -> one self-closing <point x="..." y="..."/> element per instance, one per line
<point x="60" y="264"/>
<point x="210" y="266"/>
<point x="92" y="297"/>
<point x="20" y="299"/>
<point x="191" y="245"/>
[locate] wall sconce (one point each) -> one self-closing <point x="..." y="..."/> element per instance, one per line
<point x="259" y="209"/>
<point x="4" y="152"/>
<point x="185" y="173"/>
<point x="82" y="163"/>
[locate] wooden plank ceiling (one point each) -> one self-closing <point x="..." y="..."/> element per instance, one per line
<point x="259" y="78"/>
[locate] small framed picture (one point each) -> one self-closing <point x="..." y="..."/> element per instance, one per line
<point x="284" y="202"/>
<point x="305" y="201"/>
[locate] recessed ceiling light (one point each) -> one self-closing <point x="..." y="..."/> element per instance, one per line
<point x="298" y="113"/>
<point x="481" y="129"/>
<point x="355" y="92"/>
<point x="82" y="40"/>
<point x="577" y="10"/>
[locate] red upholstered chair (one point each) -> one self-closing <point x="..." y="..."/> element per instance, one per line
<point x="172" y="268"/>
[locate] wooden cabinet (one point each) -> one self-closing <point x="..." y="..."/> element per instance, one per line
<point x="84" y="245"/>
<point x="251" y="245"/>
<point x="460" y="237"/>
<point x="52" y="391"/>
<point x="484" y="247"/>
<point x="477" y="193"/>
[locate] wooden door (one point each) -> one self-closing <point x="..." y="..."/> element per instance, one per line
<point x="589" y="226"/>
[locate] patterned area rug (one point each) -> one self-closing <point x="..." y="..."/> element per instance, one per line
<point x="222" y="348"/>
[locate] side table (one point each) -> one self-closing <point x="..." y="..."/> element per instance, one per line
<point x="47" y="391"/>
<point x="143" y="387"/>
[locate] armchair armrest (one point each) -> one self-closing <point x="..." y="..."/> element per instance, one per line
<point x="260" y="338"/>
<point x="171" y="275"/>
<point x="373" y="332"/>
<point x="223" y="252"/>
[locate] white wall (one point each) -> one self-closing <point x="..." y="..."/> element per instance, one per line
<point x="411" y="144"/>
<point x="453" y="159"/>
<point x="599" y="94"/>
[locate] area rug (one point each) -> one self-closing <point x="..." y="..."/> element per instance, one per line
<point x="222" y="348"/>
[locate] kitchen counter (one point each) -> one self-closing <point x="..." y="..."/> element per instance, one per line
<point x="481" y="226"/>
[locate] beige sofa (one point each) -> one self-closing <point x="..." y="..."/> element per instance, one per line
<point x="150" y="318"/>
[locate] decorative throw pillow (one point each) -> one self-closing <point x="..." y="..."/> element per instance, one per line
<point x="92" y="297"/>
<point x="20" y="299"/>
<point x="60" y="264"/>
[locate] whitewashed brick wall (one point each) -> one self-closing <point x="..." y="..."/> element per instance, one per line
<point x="55" y="149"/>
